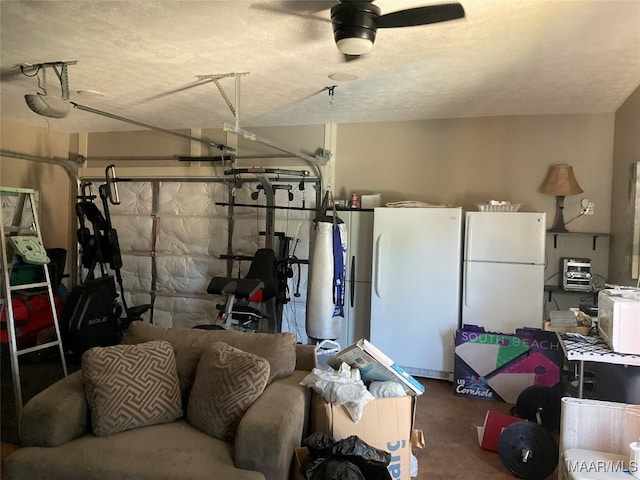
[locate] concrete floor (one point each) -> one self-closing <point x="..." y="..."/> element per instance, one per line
<point x="449" y="425"/>
<point x="448" y="422"/>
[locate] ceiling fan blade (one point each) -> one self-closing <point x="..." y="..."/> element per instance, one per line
<point x="421" y="15"/>
<point x="308" y="10"/>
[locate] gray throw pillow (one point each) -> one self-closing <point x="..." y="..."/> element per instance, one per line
<point x="131" y="386"/>
<point x="227" y="382"/>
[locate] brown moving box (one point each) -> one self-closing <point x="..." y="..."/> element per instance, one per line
<point x="299" y="455"/>
<point x="385" y="424"/>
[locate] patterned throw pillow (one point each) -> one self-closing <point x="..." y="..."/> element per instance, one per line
<point x="130" y="386"/>
<point x="227" y="382"/>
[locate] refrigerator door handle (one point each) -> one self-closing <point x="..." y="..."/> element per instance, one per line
<point x="378" y="258"/>
<point x="353" y="278"/>
<point x="467" y="240"/>
<point x="464" y="289"/>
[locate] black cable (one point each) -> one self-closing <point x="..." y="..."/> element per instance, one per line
<point x="30" y="76"/>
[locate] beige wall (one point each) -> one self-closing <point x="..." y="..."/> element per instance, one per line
<point x="456" y="161"/>
<point x="626" y="151"/>
<point x="158" y="152"/>
<point x="468" y="161"/>
<point x="56" y="188"/>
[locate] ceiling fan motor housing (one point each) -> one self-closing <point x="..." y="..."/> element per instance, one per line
<point x="354" y="26"/>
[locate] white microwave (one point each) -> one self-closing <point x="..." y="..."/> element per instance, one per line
<point x="619" y="319"/>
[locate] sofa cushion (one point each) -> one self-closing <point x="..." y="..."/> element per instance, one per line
<point x="130" y="386"/>
<point x="227" y="382"/>
<point x="170" y="451"/>
<point x="279" y="349"/>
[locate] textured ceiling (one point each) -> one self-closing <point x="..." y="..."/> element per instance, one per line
<point x="506" y="57"/>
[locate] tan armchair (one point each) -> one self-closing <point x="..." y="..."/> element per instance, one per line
<point x="58" y="444"/>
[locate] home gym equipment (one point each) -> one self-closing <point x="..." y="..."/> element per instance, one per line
<point x="93" y="313"/>
<point x="258" y="285"/>
<point x="528" y="449"/>
<point x="276" y="252"/>
<point x="325" y="297"/>
<point x="541" y="405"/>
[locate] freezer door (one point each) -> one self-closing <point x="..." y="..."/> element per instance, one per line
<point x="502" y="297"/>
<point x="357" y="310"/>
<point x="360" y="245"/>
<point x="416" y="276"/>
<point x="512" y="237"/>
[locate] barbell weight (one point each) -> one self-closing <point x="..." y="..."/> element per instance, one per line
<point x="541" y="405"/>
<point x="528" y="450"/>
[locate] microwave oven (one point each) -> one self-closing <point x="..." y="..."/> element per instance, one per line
<point x="619" y="319"/>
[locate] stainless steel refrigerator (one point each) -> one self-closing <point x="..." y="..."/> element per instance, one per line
<point x="503" y="279"/>
<point x="416" y="282"/>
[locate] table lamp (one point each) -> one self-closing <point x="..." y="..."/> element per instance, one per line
<point x="560" y="182"/>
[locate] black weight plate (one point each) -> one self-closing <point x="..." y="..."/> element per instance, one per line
<point x="522" y="437"/>
<point x="543" y="399"/>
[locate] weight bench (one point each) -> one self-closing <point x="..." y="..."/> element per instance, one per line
<point x="258" y="285"/>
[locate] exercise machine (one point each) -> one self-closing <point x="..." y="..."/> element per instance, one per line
<point x="273" y="265"/>
<point x="95" y="314"/>
<point x="258" y="285"/>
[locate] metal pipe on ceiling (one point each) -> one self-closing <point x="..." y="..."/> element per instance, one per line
<point x="186" y="158"/>
<point x="209" y="143"/>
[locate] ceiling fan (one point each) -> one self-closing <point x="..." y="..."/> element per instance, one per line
<point x="355" y="22"/>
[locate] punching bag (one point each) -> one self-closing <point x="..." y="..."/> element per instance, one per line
<point x="326" y="283"/>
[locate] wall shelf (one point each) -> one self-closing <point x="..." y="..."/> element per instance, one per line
<point x="551" y="289"/>
<point x="594" y="236"/>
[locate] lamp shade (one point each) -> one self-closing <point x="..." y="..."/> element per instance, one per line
<point x="560" y="180"/>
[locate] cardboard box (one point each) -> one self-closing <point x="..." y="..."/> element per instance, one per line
<point x="375" y="365"/>
<point x="498" y="366"/>
<point x="299" y="455"/>
<point x="385" y="424"/>
<point x="371" y="201"/>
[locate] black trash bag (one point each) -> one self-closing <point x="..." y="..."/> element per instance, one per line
<point x="355" y="447"/>
<point x="319" y="443"/>
<point x="371" y="461"/>
<point x="313" y="468"/>
<point x="335" y="469"/>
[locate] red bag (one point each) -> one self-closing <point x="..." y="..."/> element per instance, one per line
<point x="32" y="314"/>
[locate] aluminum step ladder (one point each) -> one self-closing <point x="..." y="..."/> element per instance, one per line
<point x="28" y="245"/>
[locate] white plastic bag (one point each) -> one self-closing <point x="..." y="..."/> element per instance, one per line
<point x="339" y="388"/>
<point x="414" y="466"/>
<point x="386" y="389"/>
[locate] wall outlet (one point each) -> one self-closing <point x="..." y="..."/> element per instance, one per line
<point x="589" y="208"/>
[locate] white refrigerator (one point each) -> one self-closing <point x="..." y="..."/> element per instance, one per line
<point x="503" y="279"/>
<point x="357" y="298"/>
<point x="416" y="284"/>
